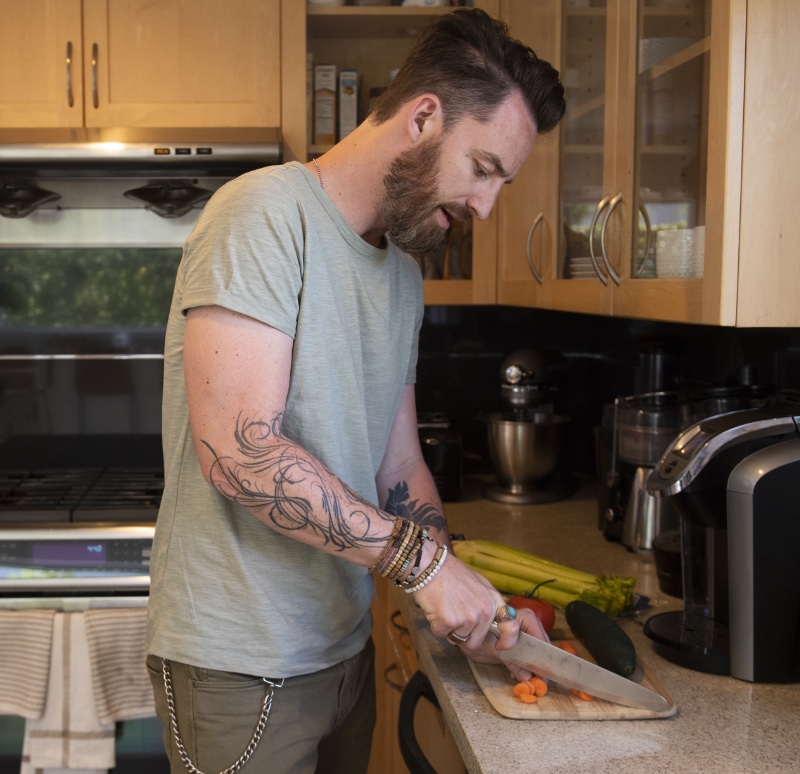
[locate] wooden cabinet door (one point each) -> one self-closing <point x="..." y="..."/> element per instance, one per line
<point x="543" y="245"/>
<point x="41" y="81"/>
<point x="769" y="232"/>
<point x="374" y="40"/>
<point x="528" y="217"/>
<point x="393" y="651"/>
<point x="182" y="62"/>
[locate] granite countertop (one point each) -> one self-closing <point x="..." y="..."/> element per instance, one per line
<point x="724" y="725"/>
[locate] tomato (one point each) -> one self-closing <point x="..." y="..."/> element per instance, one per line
<point x="543" y="609"/>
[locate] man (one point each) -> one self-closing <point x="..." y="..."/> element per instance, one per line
<point x="292" y="460"/>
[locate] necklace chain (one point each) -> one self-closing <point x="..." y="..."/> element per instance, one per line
<point x="319" y="174"/>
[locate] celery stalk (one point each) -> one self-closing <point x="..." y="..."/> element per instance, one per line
<point x="562" y="572"/>
<point x="509" y="584"/>
<point x="511" y="569"/>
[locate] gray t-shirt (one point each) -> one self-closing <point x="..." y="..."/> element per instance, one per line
<point x="227" y="592"/>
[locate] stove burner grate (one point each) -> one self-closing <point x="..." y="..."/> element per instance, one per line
<point x="80" y="494"/>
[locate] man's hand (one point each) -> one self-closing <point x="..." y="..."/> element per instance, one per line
<point x="461" y="605"/>
<point x="486" y="652"/>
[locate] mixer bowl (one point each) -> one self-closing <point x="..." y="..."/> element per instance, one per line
<point x="524" y="452"/>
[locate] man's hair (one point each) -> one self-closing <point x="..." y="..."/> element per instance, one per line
<point x="468" y="60"/>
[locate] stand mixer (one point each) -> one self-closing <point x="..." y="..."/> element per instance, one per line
<point x="526" y="441"/>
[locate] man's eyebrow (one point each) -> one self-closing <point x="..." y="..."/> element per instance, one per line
<point x="494" y="160"/>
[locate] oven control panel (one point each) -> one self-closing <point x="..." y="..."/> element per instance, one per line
<point x="116" y="556"/>
<point x="63" y="555"/>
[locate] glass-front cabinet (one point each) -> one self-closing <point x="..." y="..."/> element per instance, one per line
<point x="617" y="224"/>
<point x="373" y="40"/>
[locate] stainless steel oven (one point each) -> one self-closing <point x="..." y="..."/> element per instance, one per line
<point x="77" y="517"/>
<point x="88" y="269"/>
<point x="75" y="567"/>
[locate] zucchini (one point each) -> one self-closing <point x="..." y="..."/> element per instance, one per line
<point x="609" y="645"/>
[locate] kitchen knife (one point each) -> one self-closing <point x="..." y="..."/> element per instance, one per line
<point x="553" y="663"/>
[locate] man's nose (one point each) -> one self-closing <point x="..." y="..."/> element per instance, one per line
<point x="481" y="203"/>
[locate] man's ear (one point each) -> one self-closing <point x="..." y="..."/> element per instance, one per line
<point x="425" y="117"/>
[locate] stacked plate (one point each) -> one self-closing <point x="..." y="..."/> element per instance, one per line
<point x="580" y="267"/>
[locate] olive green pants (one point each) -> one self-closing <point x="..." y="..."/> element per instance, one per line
<point x="319" y="723"/>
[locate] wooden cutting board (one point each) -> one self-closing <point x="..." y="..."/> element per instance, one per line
<point x="559" y="704"/>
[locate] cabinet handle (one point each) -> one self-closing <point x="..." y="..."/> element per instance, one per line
<point x="536" y="275"/>
<point x="95" y="101"/>
<point x="648" y="237"/>
<point x="601" y="205"/>
<point x="609" y="268"/>
<point x="396" y="618"/>
<point x="393" y="667"/>
<point x="70" y="100"/>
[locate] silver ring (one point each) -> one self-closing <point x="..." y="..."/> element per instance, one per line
<point x="505" y="613"/>
<point x="454" y="639"/>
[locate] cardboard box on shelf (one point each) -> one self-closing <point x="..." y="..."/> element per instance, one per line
<point x="324" y="104"/>
<point x="348" y="102"/>
<point x="310" y="98"/>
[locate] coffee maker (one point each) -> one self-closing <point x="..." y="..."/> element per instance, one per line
<point x="729" y="547"/>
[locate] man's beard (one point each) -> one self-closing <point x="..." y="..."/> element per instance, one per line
<point x="410" y="205"/>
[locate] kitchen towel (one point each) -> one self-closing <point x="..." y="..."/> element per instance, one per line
<point x="68" y="737"/>
<point x="120" y="682"/>
<point x="26" y="637"/>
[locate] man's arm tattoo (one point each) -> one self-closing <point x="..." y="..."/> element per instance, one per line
<point x="274" y="476"/>
<point x="399" y="503"/>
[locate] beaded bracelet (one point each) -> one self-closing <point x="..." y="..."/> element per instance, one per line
<point x="390" y="549"/>
<point x="410" y="586"/>
<point x="414" y="549"/>
<point x="405" y="544"/>
<point x="415" y="570"/>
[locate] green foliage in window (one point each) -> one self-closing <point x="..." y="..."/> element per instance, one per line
<point x="97" y="287"/>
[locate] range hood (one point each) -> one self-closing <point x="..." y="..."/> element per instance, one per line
<point x="167" y="171"/>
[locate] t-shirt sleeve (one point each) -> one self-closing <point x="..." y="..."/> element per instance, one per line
<point x="246" y="252"/>
<point x="416" y="277"/>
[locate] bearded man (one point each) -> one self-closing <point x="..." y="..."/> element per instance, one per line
<point x="293" y="471"/>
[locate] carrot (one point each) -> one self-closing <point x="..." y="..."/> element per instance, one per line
<point x="568" y="646"/>
<point x="522" y="689"/>
<point x="528" y="698"/>
<point x="538" y="685"/>
<point x="581" y="695"/>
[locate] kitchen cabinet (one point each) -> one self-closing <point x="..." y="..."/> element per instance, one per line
<point x="374" y="40"/>
<point x="395" y="664"/>
<point x="135" y="63"/>
<point x="393" y="667"/>
<point x="664" y="203"/>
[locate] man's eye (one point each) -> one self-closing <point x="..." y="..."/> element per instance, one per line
<point x="480" y="172"/>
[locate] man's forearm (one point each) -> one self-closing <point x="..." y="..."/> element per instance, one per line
<point x="427" y="512"/>
<point x="292" y="492"/>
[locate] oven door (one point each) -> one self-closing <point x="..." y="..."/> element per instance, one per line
<point x="70" y="568"/>
<point x="138" y="743"/>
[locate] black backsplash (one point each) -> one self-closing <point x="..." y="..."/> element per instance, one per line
<point x="461" y="352"/>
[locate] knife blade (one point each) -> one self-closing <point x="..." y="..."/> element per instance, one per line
<point x="555" y="664"/>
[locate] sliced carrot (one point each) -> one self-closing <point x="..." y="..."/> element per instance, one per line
<point x="582" y="695"/>
<point x="528" y="698"/>
<point x="568" y="646"/>
<point x="539" y="686"/>
<point x="522" y="689"/>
